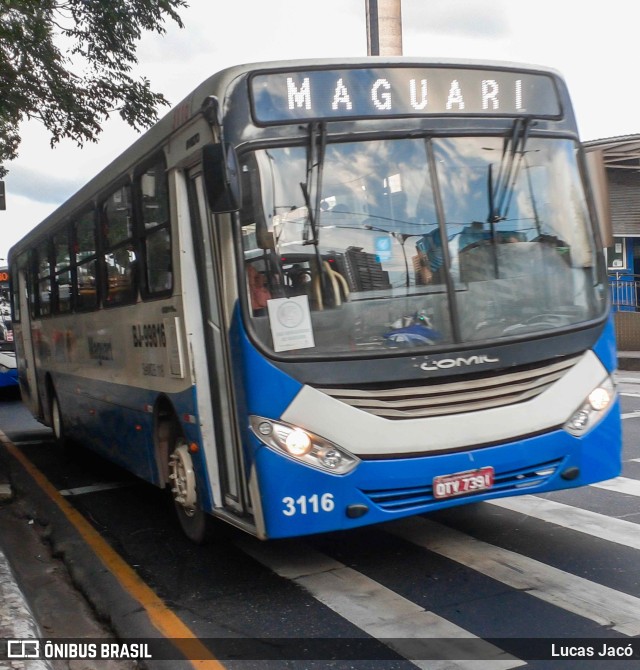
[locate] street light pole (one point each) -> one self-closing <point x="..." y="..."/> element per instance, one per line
<point x="384" y="27"/>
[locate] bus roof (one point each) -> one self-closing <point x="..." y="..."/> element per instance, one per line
<point x="217" y="85"/>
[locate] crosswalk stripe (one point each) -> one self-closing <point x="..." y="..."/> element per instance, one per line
<point x="402" y="625"/>
<point x="629" y="394"/>
<point x="620" y="485"/>
<point x="93" y="488"/>
<point x="591" y="523"/>
<point x="591" y="600"/>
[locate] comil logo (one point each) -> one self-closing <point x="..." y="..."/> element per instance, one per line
<point x="458" y="362"/>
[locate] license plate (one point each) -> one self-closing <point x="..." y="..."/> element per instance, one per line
<point x="472" y="481"/>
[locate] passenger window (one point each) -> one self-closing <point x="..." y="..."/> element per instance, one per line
<point x="62" y="271"/>
<point x="85" y="256"/>
<point x="158" y="261"/>
<point x="118" y="223"/>
<point x="43" y="270"/>
<point x="152" y="188"/>
<point x="120" y="254"/>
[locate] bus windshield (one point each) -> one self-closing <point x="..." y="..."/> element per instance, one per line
<point x="376" y="245"/>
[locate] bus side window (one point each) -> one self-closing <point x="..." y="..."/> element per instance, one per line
<point x="43" y="270"/>
<point x="119" y="250"/>
<point x="152" y="194"/>
<point x="86" y="261"/>
<point x="62" y="271"/>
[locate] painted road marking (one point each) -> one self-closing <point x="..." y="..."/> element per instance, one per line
<point x="93" y="488"/>
<point x="30" y="443"/>
<point x="583" y="521"/>
<point x="605" y="606"/>
<point x="166" y="621"/>
<point x="402" y="625"/>
<point x="620" y="485"/>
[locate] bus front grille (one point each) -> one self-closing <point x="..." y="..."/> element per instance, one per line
<point x="403" y="499"/>
<point x="434" y="397"/>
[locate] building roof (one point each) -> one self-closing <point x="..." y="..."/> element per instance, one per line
<point x="621" y="152"/>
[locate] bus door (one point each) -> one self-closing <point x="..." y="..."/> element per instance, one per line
<point x="23" y="340"/>
<point x="206" y="243"/>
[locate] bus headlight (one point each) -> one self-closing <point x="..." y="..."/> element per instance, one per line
<point x="303" y="445"/>
<point x="298" y="443"/>
<point x="593" y="409"/>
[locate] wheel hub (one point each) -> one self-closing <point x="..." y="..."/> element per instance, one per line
<point x="183" y="479"/>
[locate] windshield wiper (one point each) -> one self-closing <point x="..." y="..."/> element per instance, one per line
<point x="315" y="168"/>
<point x="510" y="165"/>
<point x="509" y="170"/>
<point x="312" y="194"/>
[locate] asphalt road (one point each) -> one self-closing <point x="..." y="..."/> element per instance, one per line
<point x="559" y="566"/>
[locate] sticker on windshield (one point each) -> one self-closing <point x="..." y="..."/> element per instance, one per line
<point x="290" y="320"/>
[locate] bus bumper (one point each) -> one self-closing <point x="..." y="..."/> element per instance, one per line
<point x="301" y="500"/>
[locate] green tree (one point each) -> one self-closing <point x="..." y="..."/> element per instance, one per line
<point x="68" y="63"/>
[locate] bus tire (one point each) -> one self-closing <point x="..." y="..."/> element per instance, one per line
<point x="57" y="422"/>
<point x="67" y="448"/>
<point x="183" y="487"/>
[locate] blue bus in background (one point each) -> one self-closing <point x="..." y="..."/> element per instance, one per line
<point x="323" y="294"/>
<point x="8" y="371"/>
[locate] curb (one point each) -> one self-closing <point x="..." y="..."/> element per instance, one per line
<point x="628" y="364"/>
<point x="16" y="619"/>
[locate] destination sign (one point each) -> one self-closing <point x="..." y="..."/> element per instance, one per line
<point x="280" y="97"/>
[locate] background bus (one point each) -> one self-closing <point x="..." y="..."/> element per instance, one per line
<point x="323" y="294"/>
<point x="8" y="371"/>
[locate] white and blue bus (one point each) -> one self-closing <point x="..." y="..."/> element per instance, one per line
<point x="324" y="294"/>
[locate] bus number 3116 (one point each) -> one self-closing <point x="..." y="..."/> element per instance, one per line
<point x="308" y="504"/>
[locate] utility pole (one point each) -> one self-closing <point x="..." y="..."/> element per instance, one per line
<point x="384" y="27"/>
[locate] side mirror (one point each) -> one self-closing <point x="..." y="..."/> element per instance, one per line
<point x="221" y="177"/>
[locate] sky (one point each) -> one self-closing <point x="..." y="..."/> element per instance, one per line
<point x="596" y="52"/>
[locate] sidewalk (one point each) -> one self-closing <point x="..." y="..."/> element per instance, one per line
<point x="16" y="618"/>
<point x="37" y="597"/>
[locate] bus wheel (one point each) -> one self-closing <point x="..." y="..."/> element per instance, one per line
<point x="57" y="425"/>
<point x="56" y="420"/>
<point x="182" y="482"/>
<point x="64" y="444"/>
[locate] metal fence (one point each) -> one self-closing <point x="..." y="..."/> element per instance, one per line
<point x="625" y="294"/>
<point x="625" y="302"/>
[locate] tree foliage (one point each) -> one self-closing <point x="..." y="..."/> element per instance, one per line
<point x="68" y="63"/>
